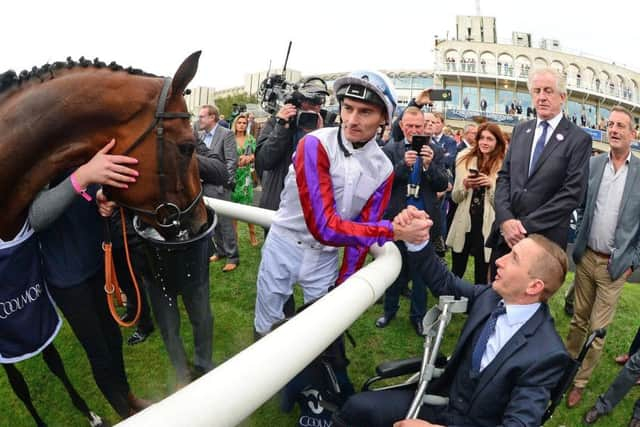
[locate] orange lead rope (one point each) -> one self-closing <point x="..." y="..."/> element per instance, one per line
<point x="111" y="285"/>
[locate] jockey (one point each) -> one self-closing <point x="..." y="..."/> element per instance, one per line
<point x="334" y="196"/>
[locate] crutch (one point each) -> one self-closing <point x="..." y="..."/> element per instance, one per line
<point x="434" y="324"/>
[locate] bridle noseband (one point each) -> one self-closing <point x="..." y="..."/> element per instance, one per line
<point x="166" y="214"/>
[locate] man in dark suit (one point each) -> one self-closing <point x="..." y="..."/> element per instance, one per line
<point x="544" y="175"/>
<point x="449" y="146"/>
<point x="483" y="106"/>
<point x="425" y="173"/>
<point x="221" y="142"/>
<point x="506" y="381"/>
<point x="468" y="137"/>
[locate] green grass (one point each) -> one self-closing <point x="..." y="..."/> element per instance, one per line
<point x="232" y="299"/>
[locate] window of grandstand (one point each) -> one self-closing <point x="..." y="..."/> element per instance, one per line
<point x="524" y="97"/>
<point x="456" y="101"/>
<point x="574" y="109"/>
<point x="471" y="93"/>
<point x="505" y="98"/>
<point x="402" y="82"/>
<point x="590" y="110"/>
<point x="489" y="95"/>
<point x="420" y="83"/>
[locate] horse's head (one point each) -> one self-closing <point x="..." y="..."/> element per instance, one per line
<point x="168" y="191"/>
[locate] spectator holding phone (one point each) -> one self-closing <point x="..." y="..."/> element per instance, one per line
<point x="419" y="173"/>
<point x="474" y="188"/>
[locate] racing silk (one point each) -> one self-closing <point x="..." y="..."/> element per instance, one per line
<point x="335" y="199"/>
<point x="28" y="319"/>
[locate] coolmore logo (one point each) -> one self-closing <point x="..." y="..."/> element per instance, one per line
<point x="313" y="400"/>
<point x="306" y="421"/>
<point x="13" y="305"/>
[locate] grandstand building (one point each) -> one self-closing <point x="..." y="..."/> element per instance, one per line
<point x="480" y="71"/>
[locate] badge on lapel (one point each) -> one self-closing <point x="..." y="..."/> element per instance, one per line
<point x="560" y="137"/>
<point x="528" y="130"/>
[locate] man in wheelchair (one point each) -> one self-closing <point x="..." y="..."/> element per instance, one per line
<point x="508" y="357"/>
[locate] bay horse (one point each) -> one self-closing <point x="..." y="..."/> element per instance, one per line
<point x="56" y="117"/>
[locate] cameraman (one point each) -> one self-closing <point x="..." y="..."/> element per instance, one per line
<point x="277" y="143"/>
<point x="280" y="135"/>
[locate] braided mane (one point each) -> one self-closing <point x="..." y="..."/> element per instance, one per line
<point x="10" y="78"/>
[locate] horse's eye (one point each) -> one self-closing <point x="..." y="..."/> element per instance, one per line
<point x="186" y="149"/>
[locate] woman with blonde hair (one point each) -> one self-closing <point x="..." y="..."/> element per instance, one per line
<point x="474" y="188"/>
<point x="246" y="146"/>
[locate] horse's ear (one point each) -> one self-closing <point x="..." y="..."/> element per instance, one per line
<point x="185" y="73"/>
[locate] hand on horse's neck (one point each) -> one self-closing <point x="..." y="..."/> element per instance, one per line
<point x="66" y="156"/>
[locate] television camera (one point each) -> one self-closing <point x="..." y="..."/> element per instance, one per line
<point x="275" y="91"/>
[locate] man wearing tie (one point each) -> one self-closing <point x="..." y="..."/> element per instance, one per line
<point x="544" y="175"/>
<point x="450" y="149"/>
<point x="219" y="142"/>
<point x="508" y="357"/>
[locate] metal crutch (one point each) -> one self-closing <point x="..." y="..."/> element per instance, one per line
<point x="434" y="324"/>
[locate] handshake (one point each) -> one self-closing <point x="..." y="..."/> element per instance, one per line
<point x="412" y="226"/>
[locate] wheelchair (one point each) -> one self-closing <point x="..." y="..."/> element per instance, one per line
<point x="422" y="370"/>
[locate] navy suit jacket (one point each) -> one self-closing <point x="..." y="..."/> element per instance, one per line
<point x="450" y="148"/>
<point x="626" y="243"/>
<point x="434" y="179"/>
<point x="514" y="389"/>
<point x="543" y="202"/>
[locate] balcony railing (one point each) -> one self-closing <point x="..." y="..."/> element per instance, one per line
<point x="521" y="73"/>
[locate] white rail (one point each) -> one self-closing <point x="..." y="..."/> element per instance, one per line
<point x="235" y="389"/>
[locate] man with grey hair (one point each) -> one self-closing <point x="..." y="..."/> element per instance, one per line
<point x="544" y="174"/>
<point x="468" y="136"/>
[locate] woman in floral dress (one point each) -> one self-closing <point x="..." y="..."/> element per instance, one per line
<point x="246" y="146"/>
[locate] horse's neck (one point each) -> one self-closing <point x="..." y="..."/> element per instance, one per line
<point x="48" y="128"/>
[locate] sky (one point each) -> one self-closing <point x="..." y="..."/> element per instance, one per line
<point x="327" y="35"/>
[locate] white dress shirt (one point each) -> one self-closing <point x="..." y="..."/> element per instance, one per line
<point x="607" y="207"/>
<point x="506" y="327"/>
<point x="208" y="136"/>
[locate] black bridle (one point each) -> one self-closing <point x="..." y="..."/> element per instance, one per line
<point x="166" y="214"/>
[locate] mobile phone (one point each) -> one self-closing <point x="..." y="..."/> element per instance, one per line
<point x="440" y="95"/>
<point x="307" y="120"/>
<point x="473" y="172"/>
<point x="417" y="141"/>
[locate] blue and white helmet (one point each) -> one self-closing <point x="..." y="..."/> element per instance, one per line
<point x="368" y="86"/>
